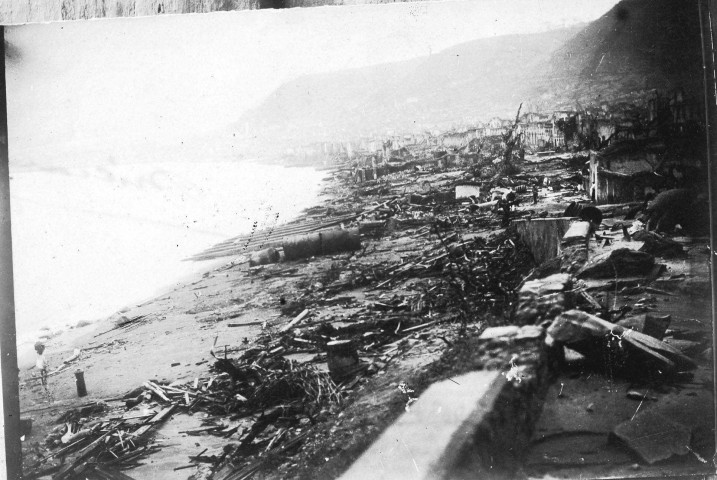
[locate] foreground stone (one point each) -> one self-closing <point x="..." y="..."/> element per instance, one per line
<point x="477" y="425"/>
<point x="544" y="299"/>
<point x="574" y="247"/>
<point x="616" y="348"/>
<point x="654" y="437"/>
<point x="622" y="262"/>
<point x="651" y="324"/>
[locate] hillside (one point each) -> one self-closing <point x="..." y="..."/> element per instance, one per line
<point x="468" y="81"/>
<point x="637" y="46"/>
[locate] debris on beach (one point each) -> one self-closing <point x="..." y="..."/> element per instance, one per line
<point x="407" y="257"/>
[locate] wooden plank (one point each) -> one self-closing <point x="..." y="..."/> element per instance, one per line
<point x="156" y="390"/>
<point x="419" y="327"/>
<point x="152" y="422"/>
<point x="296" y="320"/>
<point x="84" y="453"/>
<point x="591" y="300"/>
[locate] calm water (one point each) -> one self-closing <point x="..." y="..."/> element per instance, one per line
<point x="89" y="240"/>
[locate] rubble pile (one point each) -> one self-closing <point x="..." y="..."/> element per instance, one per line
<point x="243" y="399"/>
<point x="410" y="254"/>
<point x="98" y="448"/>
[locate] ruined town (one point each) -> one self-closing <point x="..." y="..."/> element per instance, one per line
<point x="525" y="296"/>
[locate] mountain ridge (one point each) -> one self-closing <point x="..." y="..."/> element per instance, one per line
<point x="635" y="47"/>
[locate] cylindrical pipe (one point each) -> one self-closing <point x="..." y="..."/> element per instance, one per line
<point x="321" y="243"/>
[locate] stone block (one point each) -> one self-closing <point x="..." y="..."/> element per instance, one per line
<point x="579" y="232"/>
<point x="651" y="324"/>
<point x="477" y="425"/>
<point x="494" y="332"/>
<point x="425" y="440"/>
<point x="530" y="332"/>
<point x="543" y="299"/>
<point x="622" y="262"/>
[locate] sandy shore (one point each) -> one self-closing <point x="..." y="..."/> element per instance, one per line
<point x="231" y="305"/>
<point x="171" y="340"/>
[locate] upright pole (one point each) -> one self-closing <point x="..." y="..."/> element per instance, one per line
<point x="10" y="442"/>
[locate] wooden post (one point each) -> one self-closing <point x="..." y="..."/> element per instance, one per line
<point x="10" y="441"/>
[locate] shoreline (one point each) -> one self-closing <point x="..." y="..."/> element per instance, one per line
<point x="54" y="322"/>
<point x="405" y="338"/>
<point x="64" y="340"/>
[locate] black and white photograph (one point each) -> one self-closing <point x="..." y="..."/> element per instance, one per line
<point x="415" y="240"/>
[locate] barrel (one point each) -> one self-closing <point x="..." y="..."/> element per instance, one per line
<point x="325" y="242"/>
<point x="80" y="382"/>
<point x="342" y="358"/>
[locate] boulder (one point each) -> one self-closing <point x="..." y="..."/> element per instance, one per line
<point x="615" y="348"/>
<point x="651" y="324"/>
<point x="543" y="299"/>
<point x="622" y="262"/>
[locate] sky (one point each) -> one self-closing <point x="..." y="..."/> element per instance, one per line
<point x="120" y="84"/>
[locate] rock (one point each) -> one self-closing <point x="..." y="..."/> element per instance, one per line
<point x="495" y="332"/>
<point x="687" y="347"/>
<point x="622" y="262"/>
<point x="577" y="233"/>
<point x="573" y="356"/>
<point x="653" y="437"/>
<point x="651" y="324"/>
<point x="639" y="395"/>
<point x="630" y="352"/>
<point x="530" y="332"/>
<point x="543" y="299"/>
<point x="657" y="245"/>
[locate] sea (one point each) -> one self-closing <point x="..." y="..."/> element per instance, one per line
<point x="91" y="239"/>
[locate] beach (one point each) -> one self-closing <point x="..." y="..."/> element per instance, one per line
<point x="116" y="234"/>
<point x="390" y="298"/>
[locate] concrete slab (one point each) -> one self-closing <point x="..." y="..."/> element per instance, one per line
<point x="494" y="332"/>
<point x="578" y="232"/>
<point x="426" y="439"/>
<point x="466" y="190"/>
<point x="653" y="436"/>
